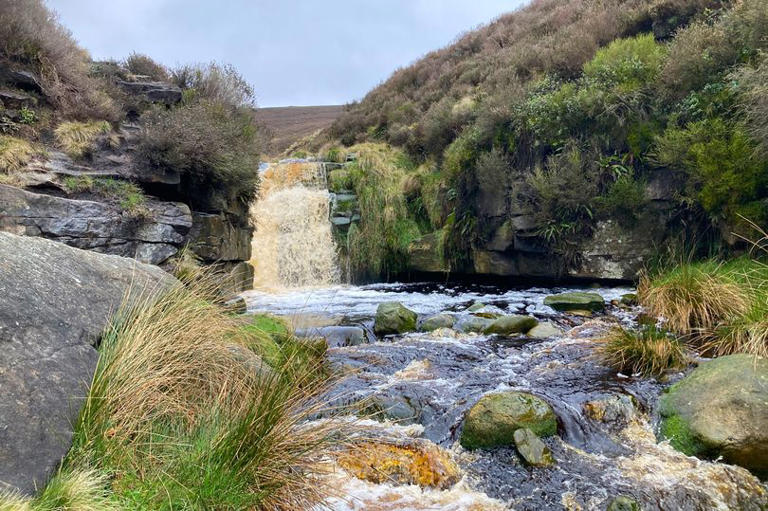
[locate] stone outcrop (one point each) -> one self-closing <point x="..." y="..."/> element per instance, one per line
<point x="493" y="420"/>
<point x="156" y="92"/>
<point x="151" y="237"/>
<point x="55" y="301"/>
<point x="721" y="409"/>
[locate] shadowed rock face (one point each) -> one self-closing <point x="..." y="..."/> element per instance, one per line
<point x="103" y="227"/>
<point x="55" y="301"/>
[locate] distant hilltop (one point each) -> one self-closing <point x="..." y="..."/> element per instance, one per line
<point x="288" y="125"/>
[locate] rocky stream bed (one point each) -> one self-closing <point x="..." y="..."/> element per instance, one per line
<point x="419" y="386"/>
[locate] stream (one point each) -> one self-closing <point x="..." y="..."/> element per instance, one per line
<point x="422" y="384"/>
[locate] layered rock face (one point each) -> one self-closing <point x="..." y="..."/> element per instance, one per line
<point x="55" y="301"/>
<point x="174" y="215"/>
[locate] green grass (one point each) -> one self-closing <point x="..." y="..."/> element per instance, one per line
<point x="176" y="419"/>
<point x="127" y="194"/>
<point x="649" y="351"/>
<point x="720" y="307"/>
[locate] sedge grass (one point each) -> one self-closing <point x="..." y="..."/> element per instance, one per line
<point x="179" y="421"/>
<point x="649" y="351"/>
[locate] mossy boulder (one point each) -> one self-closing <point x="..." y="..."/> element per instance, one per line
<point x="721" y="409"/>
<point x="576" y="301"/>
<point x="437" y="321"/>
<point x="629" y="299"/>
<point x="493" y="420"/>
<point x="394" y="318"/>
<point x="532" y="449"/>
<point x="475" y="324"/>
<point x="545" y="331"/>
<point x="509" y="325"/>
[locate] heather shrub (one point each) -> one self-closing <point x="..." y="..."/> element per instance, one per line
<point x="215" y="82"/>
<point x="753" y="97"/>
<point x="142" y="65"/>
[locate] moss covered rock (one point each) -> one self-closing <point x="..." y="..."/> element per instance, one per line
<point x="494" y="419"/>
<point x="575" y="301"/>
<point x="532" y="449"/>
<point x="508" y="325"/>
<point x="394" y="318"/>
<point x="475" y="324"/>
<point x="545" y="331"/>
<point x="721" y="409"/>
<point x="437" y="321"/>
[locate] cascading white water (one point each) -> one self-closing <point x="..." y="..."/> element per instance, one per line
<point x="293" y="245"/>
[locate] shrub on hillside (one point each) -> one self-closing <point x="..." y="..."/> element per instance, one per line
<point x="214" y="146"/>
<point x="142" y="65"/>
<point x="219" y="83"/>
<point x="32" y="38"/>
<point x="753" y="88"/>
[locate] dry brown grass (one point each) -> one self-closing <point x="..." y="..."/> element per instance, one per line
<point x="15" y="153"/>
<point x="79" y="139"/>
<point x="648" y="352"/>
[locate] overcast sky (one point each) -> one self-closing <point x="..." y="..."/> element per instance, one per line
<point x="294" y="52"/>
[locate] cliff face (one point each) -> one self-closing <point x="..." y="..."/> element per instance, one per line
<point x="111" y="202"/>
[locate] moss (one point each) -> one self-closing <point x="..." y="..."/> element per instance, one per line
<point x="680" y="436"/>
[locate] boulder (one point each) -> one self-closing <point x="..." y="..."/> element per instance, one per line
<point x="493" y="420"/>
<point x="336" y="336"/>
<point x="721" y="409"/>
<point x="532" y="449"/>
<point x="394" y="318"/>
<point x="21" y="79"/>
<point x="475" y="324"/>
<point x="156" y="92"/>
<point x="629" y="299"/>
<point x="152" y="237"/>
<point x="545" y="331"/>
<point x="55" y="301"/>
<point x="437" y="321"/>
<point x="509" y="325"/>
<point x="575" y="301"/>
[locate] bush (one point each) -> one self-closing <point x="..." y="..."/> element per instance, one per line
<point x="753" y="90"/>
<point x="624" y="200"/>
<point x="649" y="352"/>
<point x="80" y="139"/>
<point x="32" y="38"/>
<point x="725" y="176"/>
<point x="219" y="83"/>
<point x="143" y="65"/>
<point x="627" y="63"/>
<point x="14" y="154"/>
<point x="180" y="419"/>
<point x="214" y="146"/>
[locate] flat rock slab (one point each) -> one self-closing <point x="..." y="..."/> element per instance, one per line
<point x="55" y="301"/>
<point x="576" y="301"/>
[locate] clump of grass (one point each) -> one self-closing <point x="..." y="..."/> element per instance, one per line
<point x="180" y="421"/>
<point x="127" y="194"/>
<point x="15" y="153"/>
<point x="649" y="351"/>
<point x="694" y="296"/>
<point x="78" y="490"/>
<point x="79" y="139"/>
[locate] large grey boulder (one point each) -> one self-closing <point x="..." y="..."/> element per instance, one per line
<point x="151" y="238"/>
<point x="55" y="301"/>
<point x="721" y="409"/>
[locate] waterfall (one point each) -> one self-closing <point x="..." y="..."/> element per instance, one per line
<point x="292" y="244"/>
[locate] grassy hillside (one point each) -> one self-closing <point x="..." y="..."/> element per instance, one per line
<point x="289" y="124"/>
<point x="572" y="106"/>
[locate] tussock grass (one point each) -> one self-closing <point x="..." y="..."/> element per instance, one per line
<point x="79" y="490"/>
<point x="79" y="139"/>
<point x="691" y="297"/>
<point x="648" y="352"/>
<point x="184" y="415"/>
<point x="15" y="153"/>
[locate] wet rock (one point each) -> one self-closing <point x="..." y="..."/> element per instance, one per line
<point x="437" y="321"/>
<point x="618" y="409"/>
<point x="424" y="254"/>
<point x="476" y="307"/>
<point x="55" y="301"/>
<point x="721" y="409"/>
<point x="575" y="301"/>
<point x="532" y="449"/>
<point x="509" y="325"/>
<point x="623" y="503"/>
<point x="214" y="237"/>
<point x="545" y="331"/>
<point x="396" y="408"/>
<point x="493" y="420"/>
<point x="475" y="324"/>
<point x="336" y="336"/>
<point x="394" y="318"/>
<point x="418" y="463"/>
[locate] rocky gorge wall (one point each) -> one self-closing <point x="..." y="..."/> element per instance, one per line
<point x="52" y="197"/>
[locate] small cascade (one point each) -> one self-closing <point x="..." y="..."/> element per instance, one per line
<point x="293" y="245"/>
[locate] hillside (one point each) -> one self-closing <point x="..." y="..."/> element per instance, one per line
<point x="565" y="130"/>
<point x="289" y="124"/>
